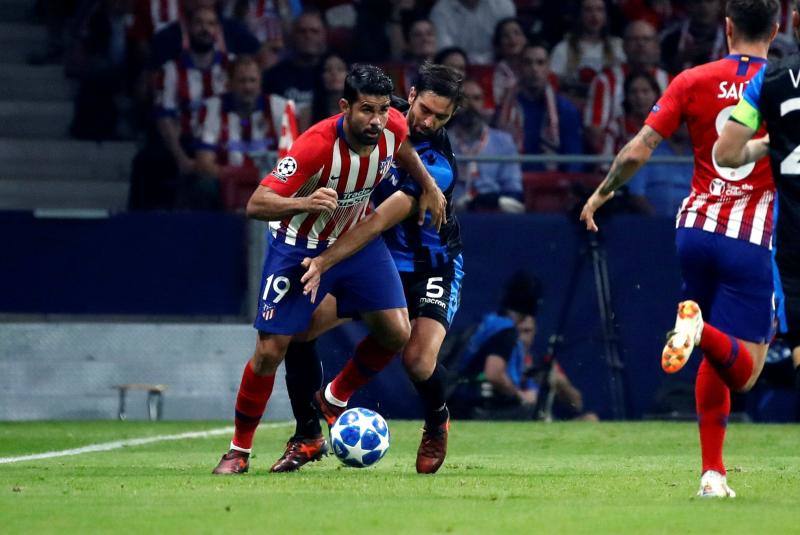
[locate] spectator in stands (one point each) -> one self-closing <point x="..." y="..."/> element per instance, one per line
<point x="382" y="26"/>
<point x="268" y="21"/>
<point x="198" y="73"/>
<point x="604" y="103"/>
<point x="295" y="77"/>
<point x="453" y="57"/>
<point x="239" y="127"/>
<point x="418" y="47"/>
<point x="586" y="51"/>
<point x="485" y="185"/>
<point x="470" y="24"/>
<point x="496" y="372"/>
<point x="542" y="121"/>
<point x="509" y="41"/>
<point x="658" y="188"/>
<point x="106" y="66"/>
<point x="232" y="36"/>
<point x="329" y="88"/>
<point x="698" y="39"/>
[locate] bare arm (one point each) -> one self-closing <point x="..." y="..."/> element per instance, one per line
<point x="266" y="205"/>
<point x="432" y="199"/>
<point x="170" y="133"/>
<point x="495" y="372"/>
<point x="391" y="212"/>
<point x="632" y="157"/>
<point x="736" y="147"/>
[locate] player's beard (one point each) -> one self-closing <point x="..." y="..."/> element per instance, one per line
<point x="365" y="138"/>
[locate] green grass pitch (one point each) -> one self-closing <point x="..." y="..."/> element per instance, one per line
<point x="498" y="478"/>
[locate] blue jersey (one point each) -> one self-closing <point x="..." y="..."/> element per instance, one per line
<point x="496" y="335"/>
<point x="416" y="248"/>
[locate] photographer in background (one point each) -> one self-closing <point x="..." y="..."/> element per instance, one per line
<point x="495" y="373"/>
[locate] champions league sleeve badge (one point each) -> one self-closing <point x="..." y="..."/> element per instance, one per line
<point x="285" y="168"/>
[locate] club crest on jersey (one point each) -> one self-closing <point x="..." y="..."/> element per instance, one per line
<point x="268" y="312"/>
<point x="656" y="108"/>
<point x="285" y="168"/>
<point x="384" y="166"/>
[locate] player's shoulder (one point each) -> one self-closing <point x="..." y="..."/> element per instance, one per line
<point x="319" y="137"/>
<point x="396" y="121"/>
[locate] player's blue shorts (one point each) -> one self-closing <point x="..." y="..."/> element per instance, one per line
<point x="731" y="280"/>
<point x="365" y="282"/>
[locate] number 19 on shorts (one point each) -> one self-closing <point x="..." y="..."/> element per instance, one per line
<point x="277" y="286"/>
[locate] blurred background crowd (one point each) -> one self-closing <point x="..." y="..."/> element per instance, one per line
<point x="202" y="86"/>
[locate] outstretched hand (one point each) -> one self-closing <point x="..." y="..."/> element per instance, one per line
<point x="592" y="205"/>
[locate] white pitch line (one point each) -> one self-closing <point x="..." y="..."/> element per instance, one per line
<point x="117" y="444"/>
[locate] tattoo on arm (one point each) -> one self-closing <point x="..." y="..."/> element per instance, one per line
<point x="613" y="180"/>
<point x="625" y="166"/>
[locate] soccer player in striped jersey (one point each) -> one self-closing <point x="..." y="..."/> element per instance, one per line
<point x="724" y="231"/>
<point x="430" y="266"/>
<point x="314" y="195"/>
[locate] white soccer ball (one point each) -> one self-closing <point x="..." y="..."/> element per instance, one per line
<point x="360" y="437"/>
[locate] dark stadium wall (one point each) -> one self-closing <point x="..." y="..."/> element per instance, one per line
<point x="188" y="265"/>
<point x="141" y="263"/>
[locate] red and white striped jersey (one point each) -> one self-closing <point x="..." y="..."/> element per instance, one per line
<point x="181" y="88"/>
<point x="240" y="139"/>
<point x="734" y="202"/>
<point x="321" y="157"/>
<point x="604" y="107"/>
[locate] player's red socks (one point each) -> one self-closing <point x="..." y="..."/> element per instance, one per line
<point x="728" y="355"/>
<point x="254" y="392"/>
<point x="370" y="358"/>
<point x="713" y="402"/>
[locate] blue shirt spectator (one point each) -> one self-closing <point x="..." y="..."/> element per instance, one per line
<point x="663" y="185"/>
<point x="485" y="184"/>
<point x="540" y="120"/>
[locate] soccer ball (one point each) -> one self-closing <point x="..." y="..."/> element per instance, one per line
<point x="360" y="437"/>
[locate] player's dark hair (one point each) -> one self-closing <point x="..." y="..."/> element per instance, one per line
<point x="440" y="80"/>
<point x="522" y="293"/>
<point x="366" y="80"/>
<point x="754" y="19"/>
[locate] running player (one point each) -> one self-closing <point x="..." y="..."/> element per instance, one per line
<point x="313" y="196"/>
<point x="724" y="231"/>
<point x="773" y="97"/>
<point x="430" y="267"/>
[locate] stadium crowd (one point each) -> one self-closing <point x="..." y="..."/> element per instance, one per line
<point x="542" y="77"/>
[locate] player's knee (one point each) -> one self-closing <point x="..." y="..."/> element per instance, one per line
<point x="267" y="356"/>
<point x="395" y="334"/>
<point x="418" y="363"/>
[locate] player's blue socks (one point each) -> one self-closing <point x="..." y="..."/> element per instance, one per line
<point x="303" y="379"/>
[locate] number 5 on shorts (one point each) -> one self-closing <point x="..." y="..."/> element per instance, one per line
<point x="281" y="286"/>
<point x="434" y="290"/>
